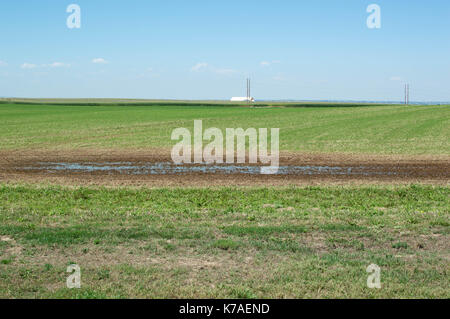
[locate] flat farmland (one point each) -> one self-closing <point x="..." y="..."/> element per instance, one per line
<point x="294" y="242"/>
<point x="358" y="185"/>
<point x="325" y="128"/>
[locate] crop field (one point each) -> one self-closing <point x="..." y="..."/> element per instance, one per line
<point x="81" y="183"/>
<point x="313" y="242"/>
<point x="324" y="128"/>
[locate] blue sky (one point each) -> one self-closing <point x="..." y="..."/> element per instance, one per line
<point x="200" y="49"/>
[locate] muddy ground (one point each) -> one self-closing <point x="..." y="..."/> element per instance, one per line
<point x="33" y="166"/>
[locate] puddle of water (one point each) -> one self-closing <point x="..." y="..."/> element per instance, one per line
<point x="170" y="168"/>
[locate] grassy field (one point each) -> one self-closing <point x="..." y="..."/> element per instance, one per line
<point x="384" y="129"/>
<point x="311" y="242"/>
<point x="230" y="242"/>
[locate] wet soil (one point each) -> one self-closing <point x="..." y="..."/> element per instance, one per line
<point x="155" y="168"/>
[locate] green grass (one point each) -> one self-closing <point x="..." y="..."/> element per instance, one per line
<point x="311" y="242"/>
<point x="225" y="244"/>
<point x="262" y="230"/>
<point x="379" y="129"/>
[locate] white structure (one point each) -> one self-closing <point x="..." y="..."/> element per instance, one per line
<point x="248" y="98"/>
<point x="242" y="99"/>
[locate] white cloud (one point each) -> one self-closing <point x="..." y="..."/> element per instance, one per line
<point x="59" y="65"/>
<point x="3" y="63"/>
<point x="99" y="61"/>
<point x="51" y="65"/>
<point x="395" y="78"/>
<point x="268" y="63"/>
<point x="28" y="66"/>
<point x="199" y="66"/>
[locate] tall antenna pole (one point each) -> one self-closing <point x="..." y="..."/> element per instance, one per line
<point x="408" y="94"/>
<point x="405" y="95"/>
<point x="249" y="90"/>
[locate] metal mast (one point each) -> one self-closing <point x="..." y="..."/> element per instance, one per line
<point x="249" y="90"/>
<point x="406" y="94"/>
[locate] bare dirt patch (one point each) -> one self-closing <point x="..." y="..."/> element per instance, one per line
<point x="32" y="166"/>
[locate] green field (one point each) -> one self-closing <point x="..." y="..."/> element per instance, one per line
<point x="383" y="129"/>
<point x="313" y="242"/>
<point x="229" y="242"/>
